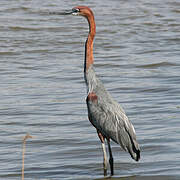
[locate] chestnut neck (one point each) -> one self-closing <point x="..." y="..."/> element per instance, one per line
<point x="89" y="59"/>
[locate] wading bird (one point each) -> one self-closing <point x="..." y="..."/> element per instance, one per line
<point x="105" y="114"/>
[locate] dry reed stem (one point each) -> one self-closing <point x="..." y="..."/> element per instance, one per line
<point x="23" y="152"/>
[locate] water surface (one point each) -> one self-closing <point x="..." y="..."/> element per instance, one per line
<point x="43" y="93"/>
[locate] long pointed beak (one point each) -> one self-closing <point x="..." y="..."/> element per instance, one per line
<point x="67" y="12"/>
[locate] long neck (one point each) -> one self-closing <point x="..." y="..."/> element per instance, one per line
<point x="89" y="59"/>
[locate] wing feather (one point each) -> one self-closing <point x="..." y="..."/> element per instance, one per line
<point x="111" y="120"/>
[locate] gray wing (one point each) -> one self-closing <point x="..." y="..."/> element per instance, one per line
<point x="110" y="119"/>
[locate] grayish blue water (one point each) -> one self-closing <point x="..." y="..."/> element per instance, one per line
<point x="42" y="90"/>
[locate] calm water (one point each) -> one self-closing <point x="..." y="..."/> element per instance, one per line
<point x="42" y="90"/>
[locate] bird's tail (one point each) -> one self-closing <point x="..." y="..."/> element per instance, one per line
<point x="133" y="148"/>
<point x="134" y="151"/>
<point x="127" y="140"/>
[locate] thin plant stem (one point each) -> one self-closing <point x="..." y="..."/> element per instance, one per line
<point x="23" y="152"/>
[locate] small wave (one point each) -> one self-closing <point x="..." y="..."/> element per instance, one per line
<point x="156" y="65"/>
<point x="18" y="28"/>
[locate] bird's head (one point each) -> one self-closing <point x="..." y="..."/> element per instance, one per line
<point x="77" y="11"/>
<point x="82" y="11"/>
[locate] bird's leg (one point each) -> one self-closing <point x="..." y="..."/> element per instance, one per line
<point x="104" y="153"/>
<point x="110" y="157"/>
<point x="105" y="159"/>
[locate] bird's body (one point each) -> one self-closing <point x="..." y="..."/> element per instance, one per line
<point x="108" y="117"/>
<point x="105" y="114"/>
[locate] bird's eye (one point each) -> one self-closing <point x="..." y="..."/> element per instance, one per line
<point x="75" y="10"/>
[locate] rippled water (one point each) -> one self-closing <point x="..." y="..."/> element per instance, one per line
<point x="137" y="50"/>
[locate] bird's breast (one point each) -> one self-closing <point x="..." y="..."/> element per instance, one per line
<point x="92" y="97"/>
